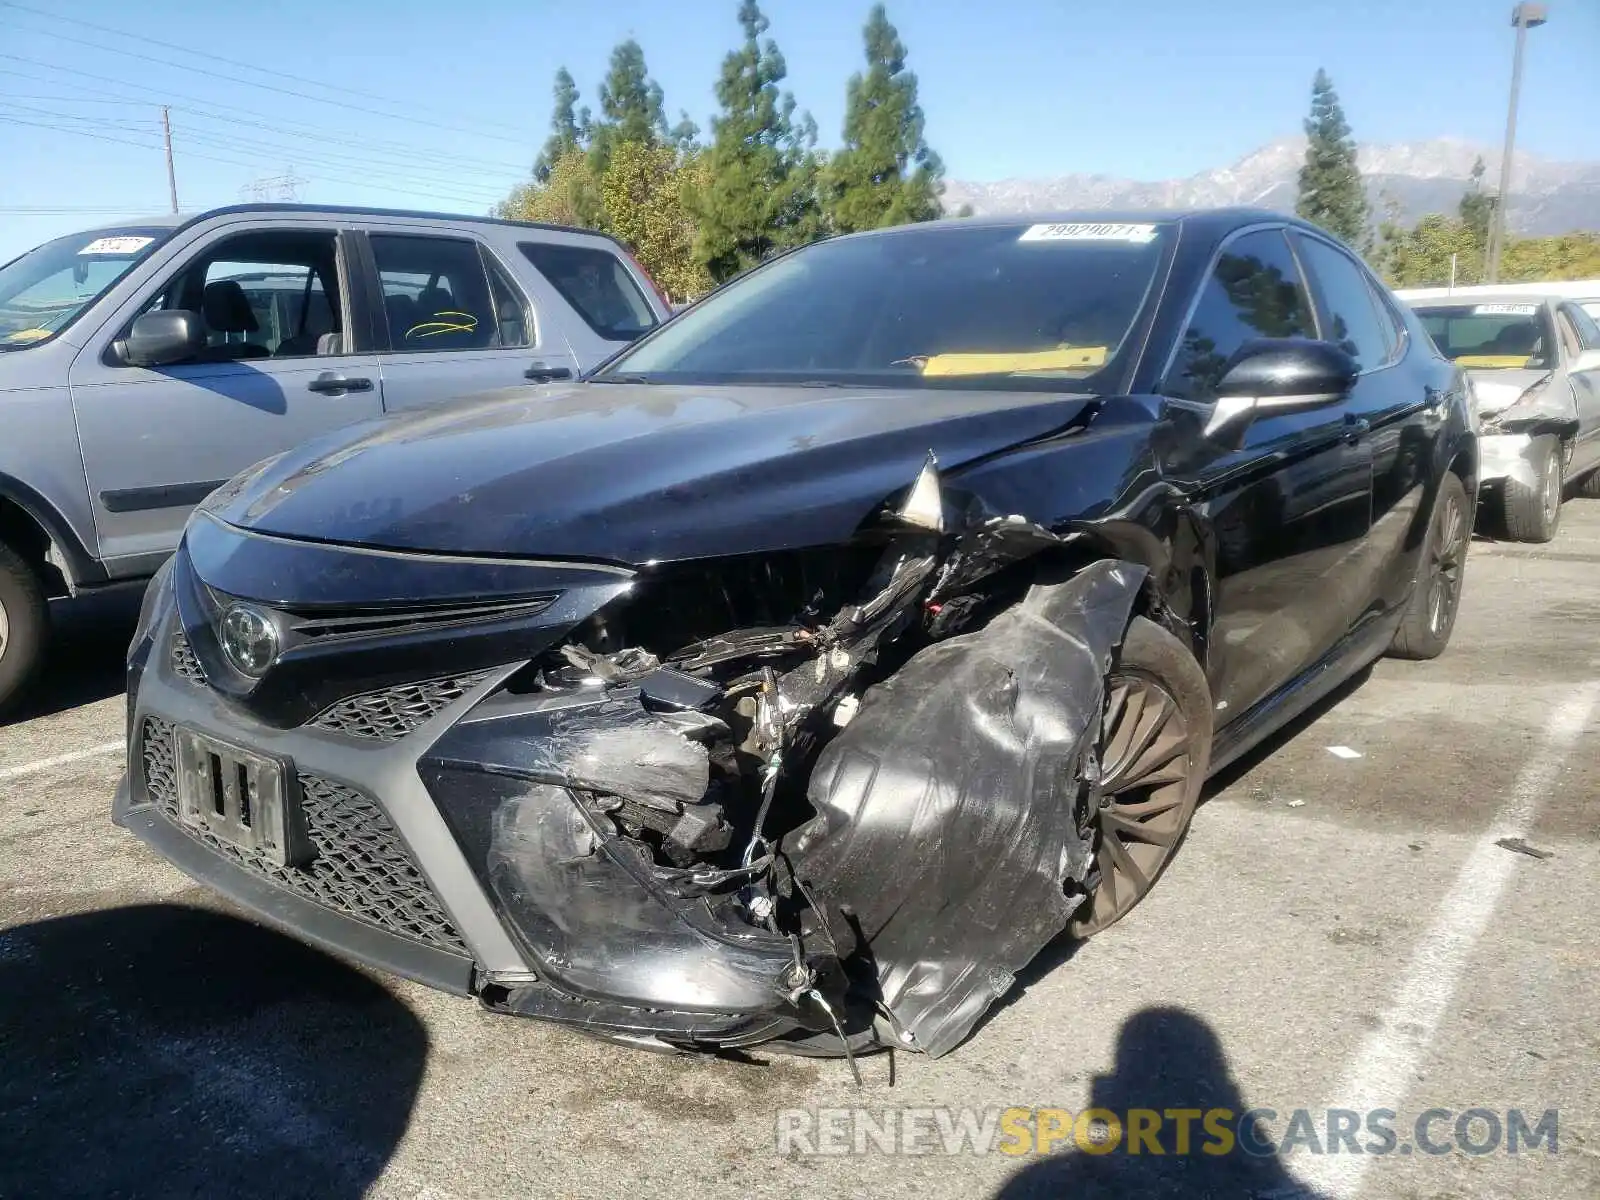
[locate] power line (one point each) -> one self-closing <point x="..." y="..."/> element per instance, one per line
<point x="150" y="41"/>
<point x="253" y="118"/>
<point x="268" y="87"/>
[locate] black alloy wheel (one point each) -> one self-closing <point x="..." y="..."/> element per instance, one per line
<point x="1436" y="596"/>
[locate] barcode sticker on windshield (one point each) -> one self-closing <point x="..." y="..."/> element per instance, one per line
<point x="1085" y="232"/>
<point x="1510" y="310"/>
<point x="116" y="245"/>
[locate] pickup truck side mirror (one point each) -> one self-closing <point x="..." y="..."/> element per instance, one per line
<point x="167" y="336"/>
<point x="1280" y="375"/>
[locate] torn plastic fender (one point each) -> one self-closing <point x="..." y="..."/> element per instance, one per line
<point x="948" y="827"/>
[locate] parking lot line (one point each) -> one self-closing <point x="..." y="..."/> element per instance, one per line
<point x="1381" y="1072"/>
<point x="59" y="760"/>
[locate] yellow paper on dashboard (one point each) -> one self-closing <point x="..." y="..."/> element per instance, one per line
<point x="1059" y="358"/>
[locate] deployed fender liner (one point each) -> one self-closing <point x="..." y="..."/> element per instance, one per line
<point x="948" y="828"/>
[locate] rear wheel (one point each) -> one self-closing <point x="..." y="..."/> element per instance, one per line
<point x="1533" y="513"/>
<point x="1431" y="614"/>
<point x="1589" y="486"/>
<point x="1154" y="750"/>
<point x="24" y="626"/>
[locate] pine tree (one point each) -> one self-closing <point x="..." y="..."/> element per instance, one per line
<point x="1331" y="193"/>
<point x="760" y="195"/>
<point x="568" y="126"/>
<point x="630" y="105"/>
<point x="885" y="174"/>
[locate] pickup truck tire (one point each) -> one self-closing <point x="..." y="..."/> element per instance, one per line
<point x="1532" y="514"/>
<point x="24" y="626"/>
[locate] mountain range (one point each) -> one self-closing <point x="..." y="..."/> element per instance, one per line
<point x="1418" y="177"/>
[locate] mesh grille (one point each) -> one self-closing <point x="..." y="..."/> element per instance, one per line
<point x="183" y="660"/>
<point x="394" y="712"/>
<point x="361" y="868"/>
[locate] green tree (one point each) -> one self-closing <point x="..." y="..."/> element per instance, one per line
<point x="645" y="190"/>
<point x="1331" y="194"/>
<point x="630" y="105"/>
<point x="569" y="194"/>
<point x="569" y="126"/>
<point x="760" y="192"/>
<point x="885" y="174"/>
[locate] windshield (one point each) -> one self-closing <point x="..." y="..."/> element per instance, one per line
<point x="42" y="292"/>
<point x="1490" y="337"/>
<point x="1015" y="306"/>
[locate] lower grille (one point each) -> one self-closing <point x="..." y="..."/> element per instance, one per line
<point x="361" y="868"/>
<point x="394" y="712"/>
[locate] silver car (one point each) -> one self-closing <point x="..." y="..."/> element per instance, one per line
<point x="1533" y="363"/>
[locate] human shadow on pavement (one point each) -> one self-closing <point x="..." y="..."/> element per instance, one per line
<point x="159" y="1050"/>
<point x="1166" y="1059"/>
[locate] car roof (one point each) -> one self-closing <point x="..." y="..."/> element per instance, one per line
<point x="1212" y="221"/>
<point x="178" y="220"/>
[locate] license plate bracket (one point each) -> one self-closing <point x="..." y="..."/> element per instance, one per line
<point x="242" y="797"/>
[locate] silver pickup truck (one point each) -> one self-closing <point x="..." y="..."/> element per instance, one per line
<point x="144" y="365"/>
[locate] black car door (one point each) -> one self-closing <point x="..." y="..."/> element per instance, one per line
<point x="1287" y="499"/>
<point x="1400" y="417"/>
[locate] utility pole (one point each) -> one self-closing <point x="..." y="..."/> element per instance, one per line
<point x="1523" y="18"/>
<point x="172" y="175"/>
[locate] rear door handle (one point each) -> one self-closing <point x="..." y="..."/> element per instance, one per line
<point x="1355" y="428"/>
<point x="540" y="373"/>
<point x="331" y="384"/>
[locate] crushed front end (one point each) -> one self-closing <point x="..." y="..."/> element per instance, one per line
<point x="823" y="798"/>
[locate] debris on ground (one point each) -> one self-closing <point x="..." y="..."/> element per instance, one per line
<point x="1518" y="846"/>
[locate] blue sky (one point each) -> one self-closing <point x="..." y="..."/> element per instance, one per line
<point x="445" y="104"/>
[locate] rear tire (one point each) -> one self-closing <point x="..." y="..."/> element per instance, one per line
<point x="24" y="627"/>
<point x="1589" y="485"/>
<point x="1533" y="514"/>
<point x="1431" y="613"/>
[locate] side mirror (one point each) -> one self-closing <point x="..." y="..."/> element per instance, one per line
<point x="158" y="338"/>
<point x="1280" y="375"/>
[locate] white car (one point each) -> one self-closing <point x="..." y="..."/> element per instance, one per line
<point x="1532" y="357"/>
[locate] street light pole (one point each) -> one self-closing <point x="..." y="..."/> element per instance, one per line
<point x="1523" y="18"/>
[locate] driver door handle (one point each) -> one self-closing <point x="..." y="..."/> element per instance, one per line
<point x="330" y="383"/>
<point x="1355" y="428"/>
<point x="540" y="373"/>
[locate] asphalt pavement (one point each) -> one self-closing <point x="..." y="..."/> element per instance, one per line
<point x="1344" y="930"/>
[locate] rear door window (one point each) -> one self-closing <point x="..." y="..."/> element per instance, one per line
<point x="598" y="287"/>
<point x="436" y="293"/>
<point x="1352" y="319"/>
<point x="1254" y="291"/>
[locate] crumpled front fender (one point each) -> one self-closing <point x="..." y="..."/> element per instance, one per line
<point x="948" y="830"/>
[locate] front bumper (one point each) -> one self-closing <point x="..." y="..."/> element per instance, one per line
<point x="391" y="886"/>
<point x="1507" y="456"/>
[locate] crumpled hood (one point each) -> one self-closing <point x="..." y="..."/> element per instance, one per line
<point x="629" y="472"/>
<point x="1495" y="390"/>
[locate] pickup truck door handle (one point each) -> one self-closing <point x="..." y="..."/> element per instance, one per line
<point x="1355" y="428"/>
<point x="540" y="373"/>
<point x="330" y="383"/>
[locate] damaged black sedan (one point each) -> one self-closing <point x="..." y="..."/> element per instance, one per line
<point x="799" y="675"/>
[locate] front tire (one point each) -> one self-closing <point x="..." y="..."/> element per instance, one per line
<point x="1533" y="514"/>
<point x="1154" y="751"/>
<point x="24" y="627"/>
<point x="1436" y="596"/>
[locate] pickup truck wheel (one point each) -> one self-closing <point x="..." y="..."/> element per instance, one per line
<point x="24" y="626"/>
<point x="1436" y="595"/>
<point x="1532" y="514"/>
<point x="1154" y="751"/>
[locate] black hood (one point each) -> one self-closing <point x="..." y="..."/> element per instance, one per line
<point x="630" y="473"/>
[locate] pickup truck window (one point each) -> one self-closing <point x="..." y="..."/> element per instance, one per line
<point x="436" y="293"/>
<point x="597" y="285"/>
<point x="43" y="292"/>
